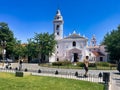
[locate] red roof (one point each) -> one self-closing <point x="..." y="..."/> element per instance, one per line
<point x="98" y="53"/>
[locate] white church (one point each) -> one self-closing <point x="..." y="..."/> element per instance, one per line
<point x="75" y="47"/>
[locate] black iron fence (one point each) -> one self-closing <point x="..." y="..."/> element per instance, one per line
<point x="58" y="73"/>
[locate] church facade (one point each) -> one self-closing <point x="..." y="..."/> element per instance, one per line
<point x="74" y="47"/>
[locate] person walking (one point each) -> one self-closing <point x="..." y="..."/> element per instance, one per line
<point x="20" y="65"/>
<point x="86" y="62"/>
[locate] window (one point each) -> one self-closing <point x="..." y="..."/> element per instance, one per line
<point x="74" y="43"/>
<point x="101" y="59"/>
<point x="57" y="59"/>
<point x="58" y="17"/>
<point x="57" y="33"/>
<point x="57" y="27"/>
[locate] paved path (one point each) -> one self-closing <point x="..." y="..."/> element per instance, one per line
<point x="114" y="82"/>
<point x="36" y="67"/>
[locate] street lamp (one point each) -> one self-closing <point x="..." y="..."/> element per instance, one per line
<point x="3" y="45"/>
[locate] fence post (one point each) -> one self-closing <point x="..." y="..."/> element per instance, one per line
<point x="106" y="79"/>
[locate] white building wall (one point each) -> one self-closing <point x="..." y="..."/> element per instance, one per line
<point x="65" y="45"/>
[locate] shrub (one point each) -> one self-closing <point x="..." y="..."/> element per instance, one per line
<point x="61" y="63"/>
<point x="92" y="65"/>
<point x="113" y="65"/>
<point x="57" y="63"/>
<point x="66" y="62"/>
<point x="104" y="64"/>
<point x="80" y="64"/>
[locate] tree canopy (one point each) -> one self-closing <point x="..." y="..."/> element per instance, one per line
<point x="43" y="45"/>
<point x="7" y="35"/>
<point x="112" y="41"/>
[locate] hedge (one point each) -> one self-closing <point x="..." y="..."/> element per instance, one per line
<point x="81" y="64"/>
<point x="61" y="63"/>
<point x="104" y="64"/>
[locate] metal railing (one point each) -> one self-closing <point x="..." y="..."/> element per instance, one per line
<point x="57" y="73"/>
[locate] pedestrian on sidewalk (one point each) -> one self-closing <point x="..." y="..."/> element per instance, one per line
<point x="20" y="64"/>
<point x="86" y="62"/>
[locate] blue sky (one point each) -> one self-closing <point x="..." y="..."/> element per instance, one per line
<point x="87" y="17"/>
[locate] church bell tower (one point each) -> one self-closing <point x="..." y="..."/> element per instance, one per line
<point x="93" y="41"/>
<point x="58" y="25"/>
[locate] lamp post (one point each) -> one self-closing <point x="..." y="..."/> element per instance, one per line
<point x="3" y="45"/>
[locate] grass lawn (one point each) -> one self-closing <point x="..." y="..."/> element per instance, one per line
<point x="8" y="81"/>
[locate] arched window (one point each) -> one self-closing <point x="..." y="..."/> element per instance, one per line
<point x="57" y="27"/>
<point x="57" y="33"/>
<point x="74" y="43"/>
<point x="57" y="59"/>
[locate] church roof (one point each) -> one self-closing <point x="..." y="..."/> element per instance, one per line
<point x="98" y="53"/>
<point x="74" y="36"/>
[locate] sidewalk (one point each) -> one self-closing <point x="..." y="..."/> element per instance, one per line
<point x="114" y="82"/>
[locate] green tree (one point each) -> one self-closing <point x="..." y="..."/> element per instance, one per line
<point x="112" y="41"/>
<point x="7" y="35"/>
<point x="45" y="45"/>
<point x="31" y="50"/>
<point x="19" y="50"/>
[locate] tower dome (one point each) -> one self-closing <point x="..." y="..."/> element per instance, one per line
<point x="58" y="15"/>
<point x="58" y="12"/>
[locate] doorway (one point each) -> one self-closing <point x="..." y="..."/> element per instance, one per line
<point x="75" y="57"/>
<point x="101" y="59"/>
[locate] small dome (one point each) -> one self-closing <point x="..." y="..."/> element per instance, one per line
<point x="58" y="15"/>
<point x="58" y="12"/>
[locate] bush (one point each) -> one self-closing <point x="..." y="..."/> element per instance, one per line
<point x="113" y="65"/>
<point x="104" y="64"/>
<point x="80" y="64"/>
<point x="61" y="63"/>
<point x="66" y="62"/>
<point x="57" y="64"/>
<point x="92" y="65"/>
